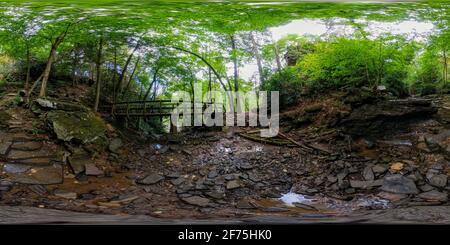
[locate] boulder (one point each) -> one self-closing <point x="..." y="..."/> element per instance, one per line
<point x="92" y="170"/>
<point x="438" y="180"/>
<point x="80" y="127"/>
<point x="150" y="179"/>
<point x="78" y="160"/>
<point x="234" y="184"/>
<point x="115" y="145"/>
<point x="434" y="195"/>
<point x="397" y="183"/>
<point x="197" y="201"/>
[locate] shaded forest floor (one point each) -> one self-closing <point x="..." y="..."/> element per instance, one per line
<point x="341" y="153"/>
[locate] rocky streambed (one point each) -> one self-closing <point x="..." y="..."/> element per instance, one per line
<point x="402" y="163"/>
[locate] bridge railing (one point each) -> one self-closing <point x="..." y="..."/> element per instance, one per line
<point x="151" y="108"/>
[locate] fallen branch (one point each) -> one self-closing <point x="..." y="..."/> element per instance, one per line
<point x="265" y="140"/>
<point x="295" y="142"/>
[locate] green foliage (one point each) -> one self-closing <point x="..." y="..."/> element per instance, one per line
<point x="180" y="43"/>
<point x="356" y="62"/>
<point x="288" y="83"/>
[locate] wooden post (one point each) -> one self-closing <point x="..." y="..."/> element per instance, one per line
<point x="160" y="111"/>
<point x="173" y="126"/>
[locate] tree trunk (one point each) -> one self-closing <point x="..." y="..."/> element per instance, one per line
<point x="258" y="58"/>
<point x="445" y="64"/>
<point x="277" y="54"/>
<point x="131" y="77"/>
<point x="236" y="73"/>
<point x="124" y="70"/>
<point x="99" y="74"/>
<point x="210" y="84"/>
<point x="47" y="70"/>
<point x="114" y="75"/>
<point x="50" y="59"/>
<point x="27" y="79"/>
<point x="219" y="78"/>
<point x="155" y="75"/>
<point x="74" y="67"/>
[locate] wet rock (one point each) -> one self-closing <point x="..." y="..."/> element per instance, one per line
<point x="151" y="179"/>
<point x="82" y="127"/>
<point x="27" y="146"/>
<point x="244" y="204"/>
<point x="81" y="177"/>
<point x="60" y="105"/>
<point x="434" y="196"/>
<point x="6" y="183"/>
<point x="304" y="206"/>
<point x="311" y="191"/>
<point x="216" y="194"/>
<point x="24" y="155"/>
<point x="350" y="190"/>
<point x="397" y="183"/>
<point x="275" y="209"/>
<point x="365" y="184"/>
<point x="172" y="175"/>
<point x="115" y="145"/>
<point x="212" y="174"/>
<point x="87" y="196"/>
<point x="331" y="178"/>
<point x="234" y="184"/>
<point x="245" y="166"/>
<point x="5" y="188"/>
<point x="393" y="197"/>
<point x="5" y="145"/>
<point x="38" y="189"/>
<point x="197" y="201"/>
<point x="370" y="144"/>
<point x="44" y="175"/>
<point x="439" y="180"/>
<point x="199" y="185"/>
<point x="15" y="168"/>
<point x="78" y="160"/>
<point x="368" y="173"/>
<point x="92" y="170"/>
<point x="163" y="149"/>
<point x="426" y="188"/>
<point x="379" y="168"/>
<point x="178" y="181"/>
<point x="65" y="194"/>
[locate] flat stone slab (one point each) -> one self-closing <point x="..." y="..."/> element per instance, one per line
<point x="93" y="170"/>
<point x="400" y="184"/>
<point x="18" y="154"/>
<point x="15" y="168"/>
<point x="27" y="146"/>
<point x="366" y="184"/>
<point x="4" y="147"/>
<point x="38" y="175"/>
<point x="150" y="179"/>
<point x="41" y="161"/>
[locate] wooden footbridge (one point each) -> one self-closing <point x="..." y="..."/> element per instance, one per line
<point x="153" y="108"/>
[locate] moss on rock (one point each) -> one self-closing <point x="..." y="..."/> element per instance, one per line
<point x="80" y="127"/>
